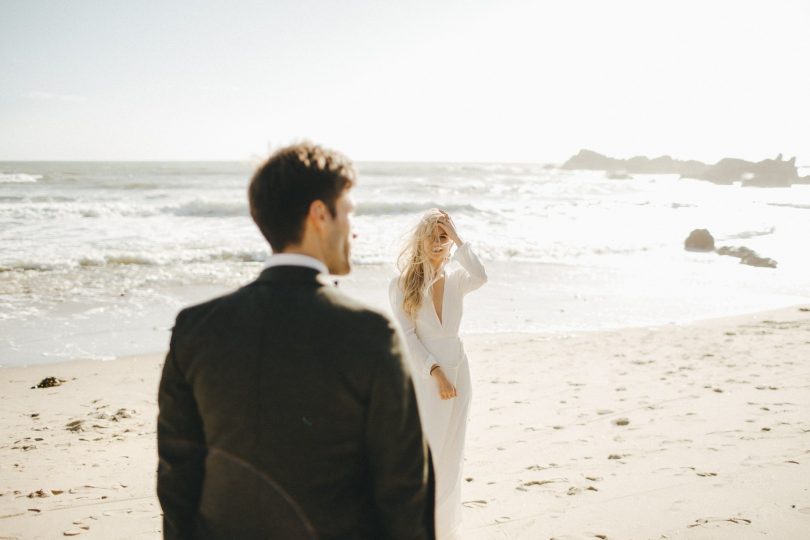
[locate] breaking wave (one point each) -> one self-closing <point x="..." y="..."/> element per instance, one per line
<point x="19" y="178"/>
<point x="750" y="234"/>
<point x="209" y="208"/>
<point x="399" y="208"/>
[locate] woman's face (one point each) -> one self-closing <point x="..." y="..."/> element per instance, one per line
<point x="437" y="245"/>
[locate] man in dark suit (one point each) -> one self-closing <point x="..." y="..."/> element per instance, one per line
<point x="286" y="408"/>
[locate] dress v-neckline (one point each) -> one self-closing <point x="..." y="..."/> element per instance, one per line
<point x="439" y="318"/>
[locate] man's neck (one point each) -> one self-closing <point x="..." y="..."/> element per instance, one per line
<point x="300" y="250"/>
<point x="297" y="257"/>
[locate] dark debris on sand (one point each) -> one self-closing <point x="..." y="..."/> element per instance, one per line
<point x="50" y="382"/>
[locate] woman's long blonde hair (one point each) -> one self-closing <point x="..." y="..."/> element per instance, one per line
<point x="416" y="272"/>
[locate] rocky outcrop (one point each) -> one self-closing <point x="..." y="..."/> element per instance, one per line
<point x="766" y="173"/>
<point x="594" y="161"/>
<point x="747" y="256"/>
<point x="699" y="240"/>
<point x="733" y="251"/>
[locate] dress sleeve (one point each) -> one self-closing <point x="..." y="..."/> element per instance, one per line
<point x="422" y="359"/>
<point x="472" y="273"/>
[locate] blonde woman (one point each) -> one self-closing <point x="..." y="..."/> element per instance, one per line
<point x="427" y="302"/>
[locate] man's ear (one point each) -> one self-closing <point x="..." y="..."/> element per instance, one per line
<point x="317" y="214"/>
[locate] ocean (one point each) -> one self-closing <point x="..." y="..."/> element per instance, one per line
<point x="97" y="258"/>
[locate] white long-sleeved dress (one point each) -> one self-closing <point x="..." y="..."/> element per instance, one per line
<point x="433" y="341"/>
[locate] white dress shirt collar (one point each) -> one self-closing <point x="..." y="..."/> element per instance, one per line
<point x="295" y="259"/>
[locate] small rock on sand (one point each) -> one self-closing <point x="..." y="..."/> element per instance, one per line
<point x="50" y="382"/>
<point x="621" y="421"/>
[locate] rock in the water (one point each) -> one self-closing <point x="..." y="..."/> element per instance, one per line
<point x="756" y="260"/>
<point x="590" y="160"/>
<point x="699" y="240"/>
<point x="747" y="256"/>
<point x="766" y="173"/>
<point x="735" y="251"/>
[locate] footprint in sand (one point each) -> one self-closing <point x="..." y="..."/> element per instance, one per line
<point x="540" y="467"/>
<point x="705" y="521"/>
<point x="76" y="426"/>
<point x="578" y="536"/>
<point x="534" y="483"/>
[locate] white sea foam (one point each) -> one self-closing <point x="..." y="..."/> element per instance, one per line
<point x="375" y="208"/>
<point x="26" y="265"/>
<point x="209" y="208"/>
<point x="141" y="259"/>
<point x="19" y="178"/>
<point x="750" y="234"/>
<point x="788" y="205"/>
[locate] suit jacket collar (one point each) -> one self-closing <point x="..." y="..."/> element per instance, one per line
<point x="296" y="259"/>
<point x="289" y="275"/>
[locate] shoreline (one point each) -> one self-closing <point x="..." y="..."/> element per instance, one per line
<point x="519" y="299"/>
<point x="705" y="426"/>
<point x="720" y="319"/>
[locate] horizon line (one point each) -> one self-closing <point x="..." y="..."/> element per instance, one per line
<point x="253" y="159"/>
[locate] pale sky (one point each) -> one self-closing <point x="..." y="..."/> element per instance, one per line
<point x="483" y="81"/>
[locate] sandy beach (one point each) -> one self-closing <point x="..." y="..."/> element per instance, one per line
<point x="699" y="431"/>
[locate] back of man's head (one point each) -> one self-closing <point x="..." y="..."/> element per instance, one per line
<point x="285" y="186"/>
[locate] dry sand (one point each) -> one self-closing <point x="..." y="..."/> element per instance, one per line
<point x="699" y="431"/>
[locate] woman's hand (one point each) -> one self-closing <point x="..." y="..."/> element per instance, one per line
<point x="449" y="228"/>
<point x="446" y="388"/>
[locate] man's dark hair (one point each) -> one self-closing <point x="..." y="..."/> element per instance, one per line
<point x="283" y="189"/>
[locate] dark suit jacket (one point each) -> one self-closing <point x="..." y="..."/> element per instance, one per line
<point x="287" y="411"/>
